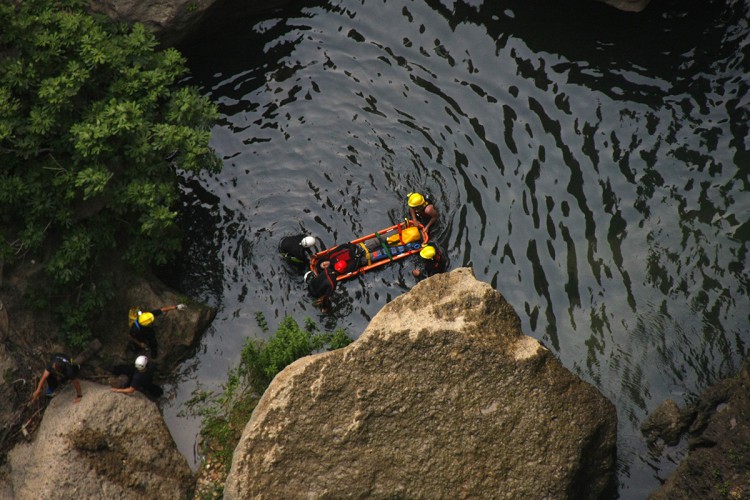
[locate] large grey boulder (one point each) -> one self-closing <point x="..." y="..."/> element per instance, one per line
<point x="168" y="19"/>
<point x="441" y="397"/>
<point x="107" y="446"/>
<point x="173" y="21"/>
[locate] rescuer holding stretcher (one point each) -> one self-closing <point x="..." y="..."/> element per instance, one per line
<point x="422" y="210"/>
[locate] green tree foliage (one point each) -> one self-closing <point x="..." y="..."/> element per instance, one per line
<point x="226" y="413"/>
<point x="93" y="126"/>
<point x="261" y="361"/>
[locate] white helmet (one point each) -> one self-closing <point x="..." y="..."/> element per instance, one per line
<point x="308" y="241"/>
<point x="141" y="362"/>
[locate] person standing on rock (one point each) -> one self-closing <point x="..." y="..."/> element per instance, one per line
<point x="142" y="331"/>
<point x="140" y="377"/>
<point x="59" y="370"/>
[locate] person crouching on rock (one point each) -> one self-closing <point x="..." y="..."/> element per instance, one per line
<point x="137" y="377"/>
<point x="59" y="370"/>
<point x="322" y="285"/>
<point x="142" y="331"/>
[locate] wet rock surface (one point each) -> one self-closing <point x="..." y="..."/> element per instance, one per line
<point x="717" y="427"/>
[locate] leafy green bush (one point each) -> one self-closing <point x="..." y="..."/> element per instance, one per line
<point x="93" y="127"/>
<point x="225" y="414"/>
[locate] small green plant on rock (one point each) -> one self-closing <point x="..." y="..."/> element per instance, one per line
<point x="225" y="414"/>
<point x="723" y="489"/>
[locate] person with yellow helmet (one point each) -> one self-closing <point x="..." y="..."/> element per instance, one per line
<point x="422" y="210"/>
<point x="142" y="332"/>
<point x="433" y="262"/>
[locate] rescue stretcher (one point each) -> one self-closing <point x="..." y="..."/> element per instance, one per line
<point x="372" y="251"/>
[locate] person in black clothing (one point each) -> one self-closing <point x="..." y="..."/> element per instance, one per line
<point x="59" y="370"/>
<point x="434" y="262"/>
<point x="296" y="249"/>
<point x="140" y="377"/>
<point x="322" y="285"/>
<point x="142" y="331"/>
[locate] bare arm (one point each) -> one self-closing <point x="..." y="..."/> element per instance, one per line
<point x="39" y="387"/>
<point x="432" y="213"/>
<point x="179" y="307"/>
<point x="127" y="390"/>
<point x="79" y="394"/>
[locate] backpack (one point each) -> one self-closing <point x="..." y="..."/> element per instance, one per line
<point x="62" y="366"/>
<point x="133" y="314"/>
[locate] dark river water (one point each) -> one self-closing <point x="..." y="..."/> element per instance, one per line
<point x="591" y="165"/>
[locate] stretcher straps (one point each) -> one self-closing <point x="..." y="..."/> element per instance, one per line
<point x="367" y="253"/>
<point x="384" y="246"/>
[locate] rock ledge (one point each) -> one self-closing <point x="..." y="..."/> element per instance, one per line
<point x="441" y="396"/>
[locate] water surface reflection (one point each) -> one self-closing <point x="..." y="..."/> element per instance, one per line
<point x="591" y="165"/>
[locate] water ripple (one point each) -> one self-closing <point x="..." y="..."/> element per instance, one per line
<point x="599" y="180"/>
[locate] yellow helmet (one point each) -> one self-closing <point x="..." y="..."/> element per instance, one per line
<point x="145" y="319"/>
<point x="416" y="200"/>
<point x="427" y="252"/>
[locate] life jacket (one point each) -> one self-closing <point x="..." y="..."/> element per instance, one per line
<point x="322" y="286"/>
<point x="435" y="265"/>
<point x="347" y="253"/>
<point x="133" y="314"/>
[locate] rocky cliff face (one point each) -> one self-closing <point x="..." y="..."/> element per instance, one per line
<point x="717" y="425"/>
<point x="178" y="332"/>
<point x="442" y="396"/>
<point x="107" y="446"/>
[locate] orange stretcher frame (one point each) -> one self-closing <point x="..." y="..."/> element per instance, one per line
<point x="322" y="256"/>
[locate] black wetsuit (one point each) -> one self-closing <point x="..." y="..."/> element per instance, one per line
<point x="437" y="264"/>
<point x="61" y="369"/>
<point x="291" y="249"/>
<point x="322" y="286"/>
<point x="146" y="334"/>
<point x="141" y="381"/>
